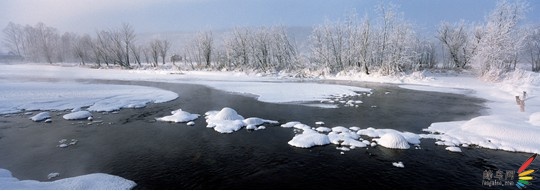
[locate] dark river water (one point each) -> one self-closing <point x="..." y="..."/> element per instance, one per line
<point x="160" y="155"/>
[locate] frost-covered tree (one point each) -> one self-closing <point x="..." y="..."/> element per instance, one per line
<point x="237" y="48"/>
<point x="155" y="47"/>
<point x="458" y="43"/>
<point x="83" y="47"/>
<point x="201" y="49"/>
<point x="533" y="48"/>
<point x="164" y="49"/>
<point x="14" y="38"/>
<point x="500" y="40"/>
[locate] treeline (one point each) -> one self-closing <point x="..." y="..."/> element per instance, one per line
<point x="386" y="44"/>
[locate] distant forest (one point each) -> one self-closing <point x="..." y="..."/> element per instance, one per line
<point x="386" y="44"/>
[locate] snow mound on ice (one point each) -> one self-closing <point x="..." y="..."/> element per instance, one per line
<point x="343" y="136"/>
<point x="453" y="149"/>
<point x="41" y="116"/>
<point x="78" y="115"/>
<point x="290" y="124"/>
<point x="393" y="141"/>
<point x="309" y="138"/>
<point x="179" y="116"/>
<point x="227" y="114"/>
<point x="257" y="121"/>
<point x="398" y="164"/>
<point x="227" y="120"/>
<point x="96" y="181"/>
<point x="412" y="138"/>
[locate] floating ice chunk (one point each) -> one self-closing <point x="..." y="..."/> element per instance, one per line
<point x="228" y="120"/>
<point x="323" y="129"/>
<point x="258" y="121"/>
<point x="227" y="114"/>
<point x="393" y="141"/>
<point x="191" y="123"/>
<point x="48" y="121"/>
<point x="63" y="145"/>
<point x="411" y="138"/>
<point x="53" y="175"/>
<point x="354" y="128"/>
<point x="78" y="115"/>
<point x="339" y="129"/>
<point x="290" y="124"/>
<point x="29" y="113"/>
<point x="179" y="116"/>
<point x="76" y="109"/>
<point x="398" y="164"/>
<point x="96" y="181"/>
<point x="309" y="138"/>
<point x="343" y="148"/>
<point x="319" y="123"/>
<point x="251" y="127"/>
<point x="302" y="126"/>
<point x="373" y="144"/>
<point x="227" y="126"/>
<point x="260" y="128"/>
<point x="41" y="116"/>
<point x="453" y="149"/>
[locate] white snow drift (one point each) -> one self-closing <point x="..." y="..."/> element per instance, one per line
<point x="96" y="181"/>
<point x="17" y="96"/>
<point x="41" y="116"/>
<point x="179" y="116"/>
<point x="227" y="120"/>
<point x="78" y="115"/>
<point x="393" y="141"/>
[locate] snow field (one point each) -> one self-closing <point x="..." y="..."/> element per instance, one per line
<point x="17" y="96"/>
<point x="96" y="181"/>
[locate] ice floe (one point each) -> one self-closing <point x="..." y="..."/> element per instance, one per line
<point x="393" y="140"/>
<point x="17" y="96"/>
<point x="453" y="149"/>
<point x="227" y="120"/>
<point x="179" y="116"/>
<point x="78" y="115"/>
<point x="398" y="164"/>
<point x="41" y="116"/>
<point x="96" y="181"/>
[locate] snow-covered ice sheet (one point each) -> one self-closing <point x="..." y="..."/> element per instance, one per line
<point x="77" y="115"/>
<point x="16" y="96"/>
<point x="267" y="89"/>
<point x="436" y="89"/>
<point x="287" y="92"/>
<point x="96" y="181"/>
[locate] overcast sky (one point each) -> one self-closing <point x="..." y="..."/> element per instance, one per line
<point x="87" y="16"/>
